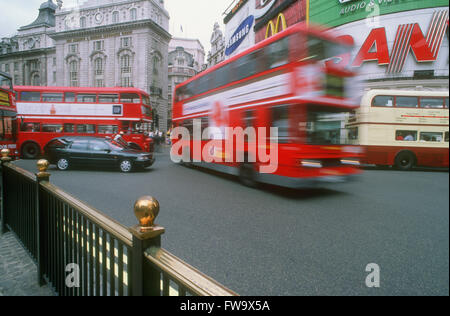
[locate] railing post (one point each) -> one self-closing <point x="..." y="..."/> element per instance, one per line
<point x="145" y="280"/>
<point x="5" y="158"/>
<point x="41" y="176"/>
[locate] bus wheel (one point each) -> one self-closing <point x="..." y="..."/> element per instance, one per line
<point x="126" y="165"/>
<point x="405" y="161"/>
<point x="247" y="175"/>
<point x="63" y="164"/>
<point x="30" y="151"/>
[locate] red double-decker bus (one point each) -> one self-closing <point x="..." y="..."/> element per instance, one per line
<point x="8" y="126"/>
<point x="48" y="112"/>
<point x="292" y="81"/>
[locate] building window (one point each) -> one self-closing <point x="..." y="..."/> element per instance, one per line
<point x="73" y="73"/>
<point x="125" y="42"/>
<point x="16" y="66"/>
<point x="133" y="14"/>
<point x="54" y="61"/>
<point x="36" y="80"/>
<point x="73" y="48"/>
<point x="99" y="83"/>
<point x="83" y="22"/>
<point x="115" y="17"/>
<point x="155" y="65"/>
<point x="99" y="45"/>
<point x="98" y="66"/>
<point x="7" y="68"/>
<point x="125" y="82"/>
<point x="125" y="64"/>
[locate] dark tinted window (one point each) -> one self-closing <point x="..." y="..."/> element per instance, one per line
<point x="431" y="137"/>
<point x="56" y="144"/>
<point x="98" y="145"/>
<point x="222" y="76"/>
<point x="108" y="98"/>
<point x="130" y="98"/>
<point x="69" y="97"/>
<point x="52" y="97"/>
<point x="30" y="127"/>
<point x="383" y="100"/>
<point x="432" y="103"/>
<point x="79" y="145"/>
<point x="87" y="98"/>
<point x="30" y="96"/>
<point x="405" y="135"/>
<point x="52" y="128"/>
<point x="446" y="103"/>
<point x="86" y="129"/>
<point x="280" y="119"/>
<point x="277" y="53"/>
<point x="69" y="128"/>
<point x="407" y="102"/>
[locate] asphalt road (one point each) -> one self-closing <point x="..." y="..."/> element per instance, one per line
<point x="282" y="242"/>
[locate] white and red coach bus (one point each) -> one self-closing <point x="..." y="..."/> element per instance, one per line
<point x="290" y="81"/>
<point x="8" y="126"/>
<point x="403" y="128"/>
<point x="48" y="112"/>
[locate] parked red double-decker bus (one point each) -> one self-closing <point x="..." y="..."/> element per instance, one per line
<point x="291" y="82"/>
<point x="8" y="126"/>
<point x="48" y="112"/>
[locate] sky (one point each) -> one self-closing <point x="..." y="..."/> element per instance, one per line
<point x="195" y="17"/>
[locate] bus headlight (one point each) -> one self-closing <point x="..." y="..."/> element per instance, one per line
<point x="350" y="162"/>
<point x="311" y="163"/>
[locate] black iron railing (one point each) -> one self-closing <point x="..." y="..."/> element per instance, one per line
<point x="80" y="251"/>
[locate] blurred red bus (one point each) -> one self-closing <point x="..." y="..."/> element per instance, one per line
<point x="290" y="81"/>
<point x="48" y="112"/>
<point x="8" y="125"/>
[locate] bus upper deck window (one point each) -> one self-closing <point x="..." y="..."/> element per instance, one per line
<point x="30" y="96"/>
<point x="69" y="97"/>
<point x="52" y="97"/>
<point x="108" y="98"/>
<point x="130" y="98"/>
<point x="87" y="98"/>
<point x="383" y="100"/>
<point x="407" y="102"/>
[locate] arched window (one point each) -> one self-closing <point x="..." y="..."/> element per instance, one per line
<point x="125" y="64"/>
<point x="36" y="80"/>
<point x="98" y="66"/>
<point x="133" y="14"/>
<point x="115" y="17"/>
<point x="73" y="73"/>
<point x="156" y="62"/>
<point x="125" y="71"/>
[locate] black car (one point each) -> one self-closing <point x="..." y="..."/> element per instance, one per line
<point x="65" y="152"/>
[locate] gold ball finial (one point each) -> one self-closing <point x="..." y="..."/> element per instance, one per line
<point x="42" y="165"/>
<point x="5" y="152"/>
<point x="146" y="209"/>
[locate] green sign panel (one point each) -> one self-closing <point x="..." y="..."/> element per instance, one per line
<point x="333" y="13"/>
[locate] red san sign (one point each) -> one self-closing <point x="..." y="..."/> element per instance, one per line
<point x="409" y="38"/>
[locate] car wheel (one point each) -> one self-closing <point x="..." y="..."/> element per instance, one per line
<point x="405" y="161"/>
<point x="63" y="164"/>
<point x="247" y="175"/>
<point x="126" y="165"/>
<point x="30" y="151"/>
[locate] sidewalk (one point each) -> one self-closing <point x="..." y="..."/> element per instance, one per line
<point x="18" y="273"/>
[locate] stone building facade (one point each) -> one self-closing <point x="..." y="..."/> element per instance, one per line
<point x="101" y="43"/>
<point x="186" y="59"/>
<point x="217" y="52"/>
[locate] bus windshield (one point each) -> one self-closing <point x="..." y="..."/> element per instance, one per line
<point x="326" y="126"/>
<point x="6" y="126"/>
<point x="5" y="82"/>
